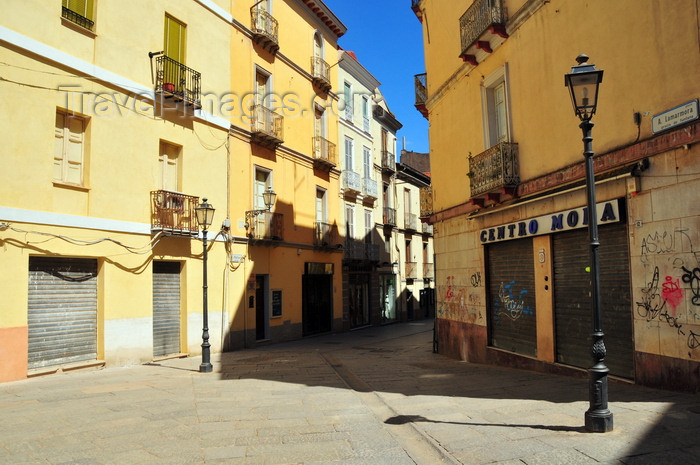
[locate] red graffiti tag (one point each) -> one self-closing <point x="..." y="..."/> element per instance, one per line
<point x="672" y="293"/>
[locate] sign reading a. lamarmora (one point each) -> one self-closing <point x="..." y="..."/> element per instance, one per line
<point x="675" y="116"/>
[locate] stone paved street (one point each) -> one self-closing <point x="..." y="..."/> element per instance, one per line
<point x="374" y="396"/>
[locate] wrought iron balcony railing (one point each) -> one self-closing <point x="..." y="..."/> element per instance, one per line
<point x="267" y="226"/>
<point x="265" y="27"/>
<point x="352" y="181"/>
<point x="388" y="162"/>
<point x="177" y="81"/>
<point x="77" y="18"/>
<point x="411" y="270"/>
<point x="360" y="251"/>
<point x="372" y="252"/>
<point x="426" y="201"/>
<point x="354" y="249"/>
<point x="326" y="235"/>
<point x="421" y="86"/>
<point x="410" y="221"/>
<point x="173" y="213"/>
<point x="325" y="152"/>
<point x="370" y="188"/>
<point x="267" y="126"/>
<point x="389" y="216"/>
<point x="480" y="17"/>
<point x="321" y="74"/>
<point x="494" y="170"/>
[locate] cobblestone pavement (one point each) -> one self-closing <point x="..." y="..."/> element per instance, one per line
<point x="374" y="396"/>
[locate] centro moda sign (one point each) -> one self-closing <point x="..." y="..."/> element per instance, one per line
<point x="608" y="212"/>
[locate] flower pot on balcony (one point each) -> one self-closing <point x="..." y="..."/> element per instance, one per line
<point x="168" y="87"/>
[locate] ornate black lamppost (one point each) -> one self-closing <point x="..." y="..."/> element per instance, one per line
<point x="583" y="82"/>
<point x="205" y="215"/>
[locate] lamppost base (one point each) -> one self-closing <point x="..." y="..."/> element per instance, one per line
<point x="599" y="422"/>
<point x="206" y="368"/>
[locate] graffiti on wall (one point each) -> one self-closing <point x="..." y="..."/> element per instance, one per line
<point x="461" y="301"/>
<point x="509" y="304"/>
<point x="653" y="303"/>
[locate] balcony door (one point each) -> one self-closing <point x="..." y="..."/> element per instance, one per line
<point x="174" y="42"/>
<point x="168" y="162"/>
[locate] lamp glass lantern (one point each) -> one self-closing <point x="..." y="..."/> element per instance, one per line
<point x="205" y="214"/>
<point x="583" y="82"/>
<point x="269" y="197"/>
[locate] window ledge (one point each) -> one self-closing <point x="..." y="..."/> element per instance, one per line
<point x="78" y="28"/>
<point x="66" y="185"/>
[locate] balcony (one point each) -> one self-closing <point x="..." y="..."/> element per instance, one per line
<point x="427" y="228"/>
<point x="267" y="226"/>
<point x="178" y="82"/>
<point x="494" y="172"/>
<point x="325" y="155"/>
<point x="426" y="201"/>
<point x="360" y="251"/>
<point x="429" y="270"/>
<point x="421" y="86"/>
<point x="267" y="127"/>
<point x="370" y="188"/>
<point x="354" y="250"/>
<point x="415" y="6"/>
<point x="410" y="222"/>
<point x="352" y="182"/>
<point x="173" y="213"/>
<point x="321" y="74"/>
<point x="388" y="162"/>
<point x="482" y="30"/>
<point x="326" y="235"/>
<point x="264" y="27"/>
<point x="389" y="216"/>
<point x="372" y="252"/>
<point x="411" y="270"/>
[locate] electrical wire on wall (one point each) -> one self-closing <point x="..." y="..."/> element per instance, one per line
<point x="142" y="250"/>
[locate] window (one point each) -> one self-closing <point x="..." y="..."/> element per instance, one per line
<point x="69" y="148"/>
<point x="174" y="40"/>
<point x="263" y="180"/>
<point x="168" y="161"/>
<point x="365" y="113"/>
<point x="80" y="12"/>
<point x="347" y="93"/>
<point x="367" y="162"/>
<point x="319" y="122"/>
<point x="318" y="45"/>
<point x="349" y="149"/>
<point x="369" y="226"/>
<point x="349" y="222"/>
<point x="321" y="206"/>
<point x="263" y="83"/>
<point x="496" y="115"/>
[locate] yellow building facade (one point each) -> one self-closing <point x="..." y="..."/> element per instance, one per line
<point x="508" y="184"/>
<point x="122" y="122"/>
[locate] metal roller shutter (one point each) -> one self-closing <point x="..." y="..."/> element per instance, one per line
<point x="572" y="301"/>
<point x="511" y="288"/>
<point x="62" y="311"/>
<point x="166" y="308"/>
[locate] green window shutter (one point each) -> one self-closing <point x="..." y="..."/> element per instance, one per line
<point x="174" y="44"/>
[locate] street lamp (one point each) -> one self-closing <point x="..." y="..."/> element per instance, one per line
<point x="583" y="82"/>
<point x="269" y="197"/>
<point x="205" y="214"/>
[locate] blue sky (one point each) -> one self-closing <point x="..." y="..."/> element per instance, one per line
<point x="387" y="38"/>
